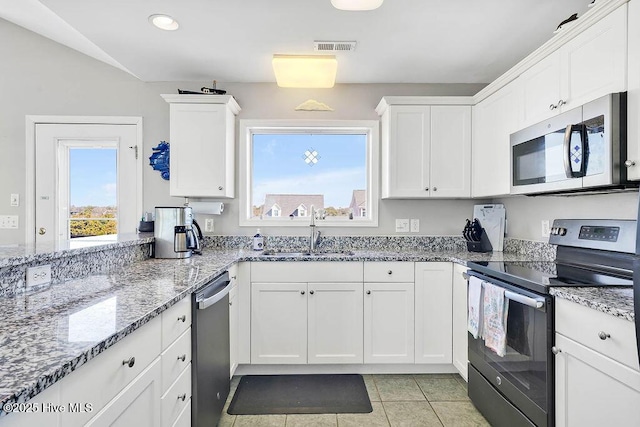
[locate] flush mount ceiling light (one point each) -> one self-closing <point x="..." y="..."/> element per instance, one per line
<point x="305" y="71"/>
<point x="356" y="4"/>
<point x="164" y="22"/>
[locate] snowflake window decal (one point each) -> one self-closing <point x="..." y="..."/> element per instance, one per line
<point x="311" y="157"/>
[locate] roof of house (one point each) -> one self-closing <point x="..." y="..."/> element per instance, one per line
<point x="289" y="203"/>
<point x="359" y="198"/>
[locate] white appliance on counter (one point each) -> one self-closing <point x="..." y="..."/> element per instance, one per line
<point x="493" y="219"/>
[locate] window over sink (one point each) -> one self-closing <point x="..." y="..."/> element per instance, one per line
<point x="289" y="169"/>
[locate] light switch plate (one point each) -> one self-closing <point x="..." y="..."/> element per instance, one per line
<point x="545" y="228"/>
<point x="9" y="221"/>
<point x="415" y="225"/>
<point x="402" y="225"/>
<point x="15" y="199"/>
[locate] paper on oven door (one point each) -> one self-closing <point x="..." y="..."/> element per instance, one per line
<point x="474" y="323"/>
<point x="494" y="313"/>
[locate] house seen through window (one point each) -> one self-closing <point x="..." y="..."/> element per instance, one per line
<point x="293" y="172"/>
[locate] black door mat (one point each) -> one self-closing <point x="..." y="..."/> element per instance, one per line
<point x="300" y="394"/>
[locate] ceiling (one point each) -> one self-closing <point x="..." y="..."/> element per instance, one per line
<point x="404" y="41"/>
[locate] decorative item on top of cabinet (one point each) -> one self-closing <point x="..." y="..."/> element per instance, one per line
<point x="426" y="147"/>
<point x="202" y="135"/>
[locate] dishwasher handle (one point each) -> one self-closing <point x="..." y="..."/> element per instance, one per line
<point x="208" y="302"/>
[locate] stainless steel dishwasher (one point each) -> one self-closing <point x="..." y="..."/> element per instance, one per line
<point x="210" y="351"/>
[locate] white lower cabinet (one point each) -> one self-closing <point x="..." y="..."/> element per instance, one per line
<point x="38" y="411"/>
<point x="234" y="330"/>
<point x="176" y="398"/>
<point x="433" y="305"/>
<point x="388" y="323"/>
<point x="459" y="316"/>
<point x="278" y="323"/>
<point x="137" y="405"/>
<point x="597" y="374"/>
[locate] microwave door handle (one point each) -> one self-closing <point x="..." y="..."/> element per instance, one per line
<point x="567" y="151"/>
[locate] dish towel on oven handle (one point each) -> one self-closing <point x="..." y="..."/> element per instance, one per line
<point x="474" y="318"/>
<point x="495" y="312"/>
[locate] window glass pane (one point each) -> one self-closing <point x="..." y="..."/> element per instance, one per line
<point x="93" y="199"/>
<point x="293" y="171"/>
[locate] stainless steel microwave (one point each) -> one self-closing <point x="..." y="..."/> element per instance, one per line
<point x="583" y="149"/>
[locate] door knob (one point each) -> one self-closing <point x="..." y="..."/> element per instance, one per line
<point x="129" y="362"/>
<point x="629" y="163"/>
<point x="311" y="292"/>
<point x="220" y="188"/>
<point x="555" y="350"/>
<point x="42" y="231"/>
<point x="552" y="107"/>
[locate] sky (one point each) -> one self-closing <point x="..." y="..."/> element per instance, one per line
<point x="92" y="176"/>
<point x="279" y="166"/>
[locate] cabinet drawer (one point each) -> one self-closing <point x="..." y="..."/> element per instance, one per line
<point x="584" y="325"/>
<point x="102" y="378"/>
<point x="184" y="419"/>
<point x="303" y="271"/>
<point x="175" y="359"/>
<point x="175" y="321"/>
<point x="176" y="398"/>
<point x="388" y="272"/>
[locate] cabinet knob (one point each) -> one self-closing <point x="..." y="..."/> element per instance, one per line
<point x="426" y="189"/>
<point x="552" y="107"/>
<point x="129" y="362"/>
<point x="183" y="397"/>
<point x="311" y="292"/>
<point x="302" y="292"/>
<point x="555" y="350"/>
<point x="182" y="318"/>
<point x="389" y="272"/>
<point x="561" y="103"/>
<point x="629" y="163"/>
<point x="182" y="358"/>
<point x="603" y="335"/>
<point x="435" y="188"/>
<point x="230" y="303"/>
<point x="368" y="292"/>
<point x="220" y="188"/>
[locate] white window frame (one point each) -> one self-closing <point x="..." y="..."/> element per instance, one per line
<point x="248" y="127"/>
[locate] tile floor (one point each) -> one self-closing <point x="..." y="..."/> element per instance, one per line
<point x="397" y="400"/>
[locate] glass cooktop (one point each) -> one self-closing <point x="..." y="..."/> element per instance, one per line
<point x="539" y="276"/>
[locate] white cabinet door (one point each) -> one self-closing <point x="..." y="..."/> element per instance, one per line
<point x="233" y="329"/>
<point x="137" y="405"/>
<point x="540" y="87"/>
<point x="494" y="120"/>
<point x="202" y="140"/>
<point x="279" y="323"/>
<point x="335" y="322"/>
<point x="406" y="152"/>
<point x="633" y="96"/>
<point x="450" y="151"/>
<point x="592" y="389"/>
<point x="39" y="411"/>
<point x="388" y="323"/>
<point x="587" y="75"/>
<point x="433" y="304"/>
<point x="460" y="340"/>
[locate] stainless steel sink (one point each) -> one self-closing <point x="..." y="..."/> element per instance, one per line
<point x="301" y="254"/>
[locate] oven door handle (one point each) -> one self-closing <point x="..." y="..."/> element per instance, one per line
<point x="522" y="299"/>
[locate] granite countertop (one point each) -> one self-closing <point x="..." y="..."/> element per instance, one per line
<point x="50" y="332"/>
<point x="614" y="301"/>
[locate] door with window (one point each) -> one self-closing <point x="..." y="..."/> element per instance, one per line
<point x="86" y="181"/>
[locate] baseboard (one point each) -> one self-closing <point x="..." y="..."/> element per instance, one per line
<point x="345" y="369"/>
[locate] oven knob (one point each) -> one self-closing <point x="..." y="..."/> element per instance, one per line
<point x="498" y="380"/>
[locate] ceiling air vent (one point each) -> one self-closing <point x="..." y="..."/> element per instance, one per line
<point x="329" y="46"/>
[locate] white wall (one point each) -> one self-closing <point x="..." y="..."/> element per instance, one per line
<point x="41" y="77"/>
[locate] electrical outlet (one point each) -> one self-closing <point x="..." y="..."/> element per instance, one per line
<point x="15" y="199"/>
<point x="402" y="225"/>
<point x="9" y="221"/>
<point x="545" y="228"/>
<point x="40" y="275"/>
<point x="208" y="225"/>
<point x="415" y="225"/>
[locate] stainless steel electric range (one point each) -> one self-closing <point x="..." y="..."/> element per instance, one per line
<point x="517" y="389"/>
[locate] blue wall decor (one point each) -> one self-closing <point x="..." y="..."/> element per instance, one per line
<point x="159" y="160"/>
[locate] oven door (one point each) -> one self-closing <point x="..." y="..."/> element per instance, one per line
<point x="524" y="376"/>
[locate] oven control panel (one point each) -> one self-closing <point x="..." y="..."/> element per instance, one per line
<point x="617" y="235"/>
<point x="606" y="234"/>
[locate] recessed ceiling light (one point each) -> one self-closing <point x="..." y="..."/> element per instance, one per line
<point x="356" y="4"/>
<point x="164" y="22"/>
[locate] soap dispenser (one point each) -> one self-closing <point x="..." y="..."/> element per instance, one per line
<point x="258" y="241"/>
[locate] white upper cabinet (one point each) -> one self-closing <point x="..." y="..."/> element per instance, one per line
<point x="633" y="99"/>
<point x="202" y="139"/>
<point x="426" y="149"/>
<point x="587" y="67"/>
<point x="494" y="120"/>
